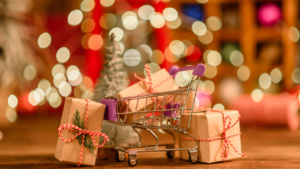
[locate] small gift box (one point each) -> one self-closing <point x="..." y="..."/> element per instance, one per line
<point x="161" y="81"/>
<point x="79" y="132"/>
<point x="217" y="141"/>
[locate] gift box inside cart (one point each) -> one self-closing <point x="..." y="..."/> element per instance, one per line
<point x="155" y="102"/>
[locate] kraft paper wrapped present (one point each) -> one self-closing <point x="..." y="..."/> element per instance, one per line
<point x="209" y="125"/>
<point x="161" y="82"/>
<point x="74" y="113"/>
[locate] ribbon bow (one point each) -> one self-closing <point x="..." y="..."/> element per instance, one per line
<point x="227" y="142"/>
<point x="73" y="128"/>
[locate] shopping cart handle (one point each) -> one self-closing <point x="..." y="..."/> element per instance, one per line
<point x="199" y="70"/>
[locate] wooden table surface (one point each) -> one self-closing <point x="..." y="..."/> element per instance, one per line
<point x="30" y="143"/>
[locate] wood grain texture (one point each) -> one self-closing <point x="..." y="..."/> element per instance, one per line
<point x="31" y="141"/>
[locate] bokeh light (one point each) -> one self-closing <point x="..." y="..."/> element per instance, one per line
<point x="145" y="51"/>
<point x="41" y="95"/>
<point x="157" y="21"/>
<point x="170" y="14"/>
<point x="88" y="25"/>
<point x="12" y="101"/>
<point x="276" y="75"/>
<point x="182" y="79"/>
<point x="63" y="55"/>
<point x="153" y="69"/>
<point x="58" y="68"/>
<point x="11" y="115"/>
<point x="177" y="47"/>
<point x="236" y="58"/>
<point x="95" y="42"/>
<point x="132" y="57"/>
<point x="243" y="73"/>
<point x="211" y="71"/>
<point x="65" y="89"/>
<point x="204" y="102"/>
<point x="257" y="95"/>
<point x="214" y="58"/>
<point x="174" y="24"/>
<point x="170" y="56"/>
<point x="157" y="57"/>
<point x="108" y="21"/>
<point x="88" y="94"/>
<point x="265" y="81"/>
<point x="85" y="40"/>
<point x="34" y="98"/>
<point x="219" y="106"/>
<point x="214" y="23"/>
<point x="29" y="72"/>
<point x="199" y="28"/>
<point x="129" y="20"/>
<point x="107" y="3"/>
<point x="54" y="100"/>
<point x="87" y="5"/>
<point x="74" y="75"/>
<point x="118" y="32"/>
<point x="194" y="53"/>
<point x="146" y="12"/>
<point x="229" y="88"/>
<point x="207" y="38"/>
<point x="75" y="17"/>
<point x="44" y="85"/>
<point x="44" y="40"/>
<point x="208" y="87"/>
<point x="293" y="34"/>
<point x="296" y="75"/>
<point x="58" y="79"/>
<point x="202" y="1"/>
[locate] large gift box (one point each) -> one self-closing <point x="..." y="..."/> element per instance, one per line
<point x="208" y="128"/>
<point x="161" y="81"/>
<point x="69" y="145"/>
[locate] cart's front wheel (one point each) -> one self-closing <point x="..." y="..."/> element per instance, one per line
<point x="120" y="156"/>
<point x="132" y="160"/>
<point x="170" y="154"/>
<point x="193" y="156"/>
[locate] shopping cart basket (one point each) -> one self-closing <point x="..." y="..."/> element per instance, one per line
<point x="165" y="114"/>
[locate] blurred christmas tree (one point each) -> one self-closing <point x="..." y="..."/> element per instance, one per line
<point x="113" y="76"/>
<point x="112" y="80"/>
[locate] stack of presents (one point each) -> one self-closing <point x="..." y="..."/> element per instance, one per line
<point x="218" y="132"/>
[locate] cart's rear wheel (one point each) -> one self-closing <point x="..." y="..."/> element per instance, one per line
<point x="193" y="156"/>
<point x="170" y="154"/>
<point x="132" y="162"/>
<point x="120" y="156"/>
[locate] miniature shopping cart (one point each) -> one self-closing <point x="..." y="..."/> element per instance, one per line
<point x="165" y="114"/>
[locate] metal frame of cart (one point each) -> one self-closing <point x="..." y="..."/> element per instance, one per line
<point x="166" y="116"/>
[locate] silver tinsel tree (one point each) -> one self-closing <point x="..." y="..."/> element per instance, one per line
<point x="113" y="79"/>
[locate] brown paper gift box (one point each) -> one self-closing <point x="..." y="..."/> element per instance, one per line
<point x="208" y="125"/>
<point x="69" y="152"/>
<point x="142" y="88"/>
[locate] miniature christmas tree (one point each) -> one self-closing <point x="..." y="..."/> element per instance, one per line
<point x="113" y="79"/>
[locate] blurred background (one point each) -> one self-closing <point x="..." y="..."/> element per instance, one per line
<point x="52" y="49"/>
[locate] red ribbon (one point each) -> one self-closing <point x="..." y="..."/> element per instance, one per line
<point x="73" y="128"/>
<point x="227" y="142"/>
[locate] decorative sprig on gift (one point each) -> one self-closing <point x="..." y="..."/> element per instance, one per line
<point x="88" y="142"/>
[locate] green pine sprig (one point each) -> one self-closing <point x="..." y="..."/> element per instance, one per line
<point x="88" y="142"/>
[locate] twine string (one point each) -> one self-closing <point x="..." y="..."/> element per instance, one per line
<point x="151" y="88"/>
<point x="227" y="142"/>
<point x="75" y="129"/>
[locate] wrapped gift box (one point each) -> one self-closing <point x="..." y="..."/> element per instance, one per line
<point x="70" y="151"/>
<point x="209" y="125"/>
<point x="161" y="82"/>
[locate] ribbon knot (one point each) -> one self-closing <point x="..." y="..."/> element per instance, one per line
<point x="75" y="129"/>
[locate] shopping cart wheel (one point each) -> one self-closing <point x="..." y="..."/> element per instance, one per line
<point x="132" y="160"/>
<point x="193" y="156"/>
<point x="170" y="154"/>
<point x="120" y="156"/>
